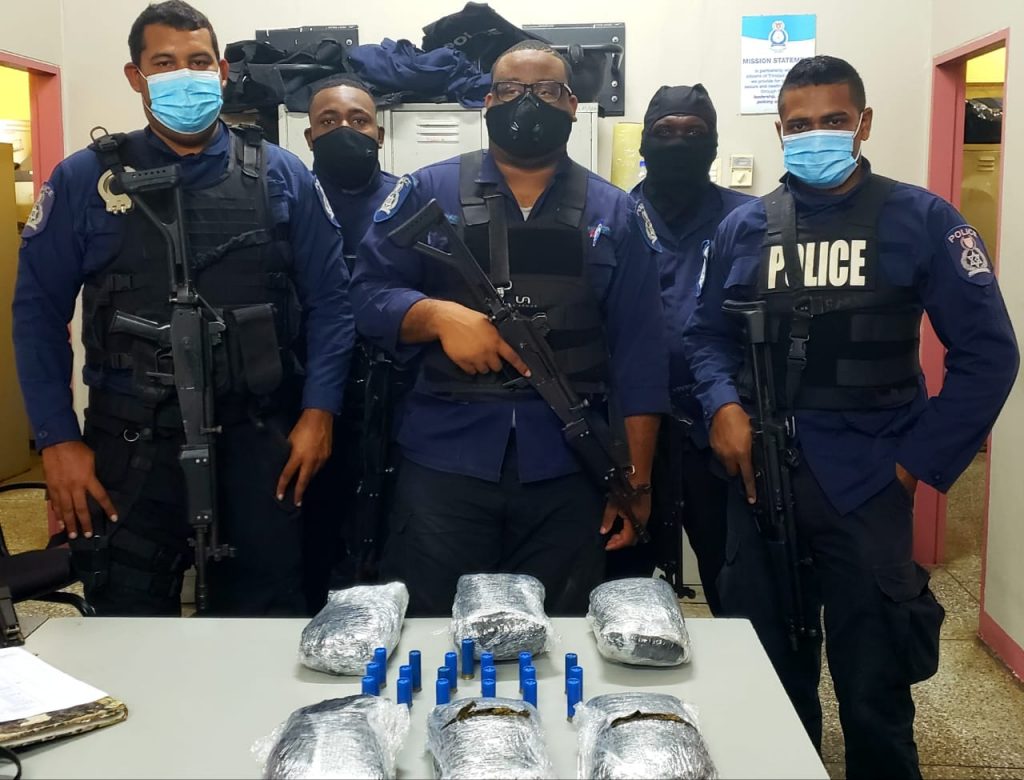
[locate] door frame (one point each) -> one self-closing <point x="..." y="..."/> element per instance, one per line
<point x="945" y="176"/>
<point x="47" y="114"/>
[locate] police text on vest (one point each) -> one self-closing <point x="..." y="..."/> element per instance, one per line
<point x="826" y="264"/>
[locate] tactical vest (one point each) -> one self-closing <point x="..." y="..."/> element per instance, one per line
<point x="541" y="266"/>
<point x="241" y="264"/>
<point x="844" y="336"/>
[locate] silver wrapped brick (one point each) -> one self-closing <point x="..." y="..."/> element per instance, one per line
<point x="357" y="737"/>
<point x="488" y="738"/>
<point x="342" y="637"/>
<point x="503" y="614"/>
<point x="640" y="735"/>
<point x="637" y="621"/>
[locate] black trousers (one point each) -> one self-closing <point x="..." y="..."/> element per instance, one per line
<point x="141" y="559"/>
<point x="682" y="473"/>
<point x="446" y="525"/>
<point x="881" y="620"/>
<point x="327" y="510"/>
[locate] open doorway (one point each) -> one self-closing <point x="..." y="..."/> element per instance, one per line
<point x="31" y="144"/>
<point x="965" y="167"/>
<point x="17" y="193"/>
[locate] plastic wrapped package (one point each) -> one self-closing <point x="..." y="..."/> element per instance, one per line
<point x="503" y="613"/>
<point x="488" y="738"/>
<point x="637" y="621"/>
<point x="640" y="735"/>
<point x="357" y="737"/>
<point x="342" y="636"/>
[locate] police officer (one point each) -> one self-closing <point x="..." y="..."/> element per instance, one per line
<point x="679" y="144"/>
<point x="258" y="234"/>
<point x="487" y="482"/>
<point x="345" y="139"/>
<point x="870" y="256"/>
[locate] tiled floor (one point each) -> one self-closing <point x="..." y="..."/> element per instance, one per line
<point x="970" y="720"/>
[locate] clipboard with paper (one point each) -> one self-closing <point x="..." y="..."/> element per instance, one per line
<point x="39" y="703"/>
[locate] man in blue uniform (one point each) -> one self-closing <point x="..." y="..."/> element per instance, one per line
<point x="263" y="247"/>
<point x="487" y="482"/>
<point x="679" y="143"/>
<point x="845" y="262"/>
<point x="345" y="139"/>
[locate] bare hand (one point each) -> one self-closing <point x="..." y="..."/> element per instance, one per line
<point x="473" y="343"/>
<point x="908" y="480"/>
<point x="641" y="507"/>
<point x="70" y="469"/>
<point x="311" y="440"/>
<point x="731" y="439"/>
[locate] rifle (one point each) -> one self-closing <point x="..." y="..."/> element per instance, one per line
<point x="195" y="328"/>
<point x="669" y="531"/>
<point x="366" y="534"/>
<point x="774" y="459"/>
<point x="604" y="457"/>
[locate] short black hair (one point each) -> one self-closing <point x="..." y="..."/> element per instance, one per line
<point x="340" y="81"/>
<point x="531" y="45"/>
<point x="171" y="13"/>
<point x="822" y="69"/>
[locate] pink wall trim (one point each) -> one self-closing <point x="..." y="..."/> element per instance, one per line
<point x="944" y="180"/>
<point x="47" y="113"/>
<point x="1002" y="644"/>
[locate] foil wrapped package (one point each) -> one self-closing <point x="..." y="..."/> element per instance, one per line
<point x="342" y="637"/>
<point x="357" y="737"/>
<point x="640" y="735"/>
<point x="637" y="621"/>
<point x="487" y="738"/>
<point x="503" y="613"/>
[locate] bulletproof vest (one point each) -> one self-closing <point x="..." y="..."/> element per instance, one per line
<point x="241" y="263"/>
<point x="844" y="336"/>
<point x="542" y="273"/>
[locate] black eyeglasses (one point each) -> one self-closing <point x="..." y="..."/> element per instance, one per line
<point x="547" y="91"/>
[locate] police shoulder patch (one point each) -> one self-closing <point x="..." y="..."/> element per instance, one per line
<point x="40" y="213"/>
<point x="325" y="202"/>
<point x="393" y="202"/>
<point x="643" y="221"/>
<point x="969" y="256"/>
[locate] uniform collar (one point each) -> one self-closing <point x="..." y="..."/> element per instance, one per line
<point x="678" y="230"/>
<point x="217" y="147"/>
<point x="814" y="198"/>
<point x="491" y="174"/>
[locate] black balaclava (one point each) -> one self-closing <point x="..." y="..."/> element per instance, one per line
<point x="677" y="168"/>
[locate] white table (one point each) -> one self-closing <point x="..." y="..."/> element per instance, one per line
<point x="201" y="691"/>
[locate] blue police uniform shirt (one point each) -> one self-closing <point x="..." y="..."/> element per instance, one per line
<point x="684" y="243"/>
<point x="926" y="244"/>
<point x="470" y="438"/>
<point x="70" y="235"/>
<point x="354" y="209"/>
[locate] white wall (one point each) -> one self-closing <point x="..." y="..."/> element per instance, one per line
<point x="668" y="42"/>
<point x="1004" y="573"/>
<point x="33" y="29"/>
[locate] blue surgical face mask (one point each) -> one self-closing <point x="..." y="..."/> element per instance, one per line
<point x="821" y="158"/>
<point x="186" y="101"/>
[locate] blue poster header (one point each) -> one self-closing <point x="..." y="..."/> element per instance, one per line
<point x="795" y="27"/>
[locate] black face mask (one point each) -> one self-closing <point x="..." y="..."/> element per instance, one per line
<point x="528" y="128"/>
<point x="677" y="170"/>
<point x="346" y="157"/>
